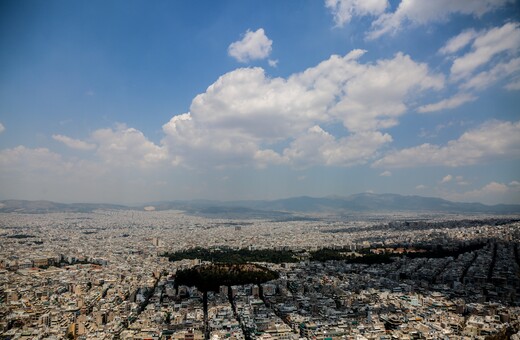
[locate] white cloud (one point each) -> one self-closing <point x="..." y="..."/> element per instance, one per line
<point x="420" y="12"/>
<point x="495" y="187"/>
<point x="74" y="143"/>
<point x="35" y="164"/>
<point x="319" y="147"/>
<point x="122" y="146"/>
<point x="450" y="103"/>
<point x="344" y="10"/>
<point x="461" y="181"/>
<point x="27" y="159"/>
<point x="485" y="79"/>
<point x="40" y="173"/>
<point x="420" y="187"/>
<point x="492" y="56"/>
<point x="266" y="157"/>
<point x="127" y="147"/>
<point x="491" y="193"/>
<point x="447" y="179"/>
<point x="241" y="116"/>
<point x="487" y="45"/>
<point x="424" y="133"/>
<point x="513" y="86"/>
<point x="385" y="174"/>
<point x="247" y="118"/>
<point x="374" y="96"/>
<point x="493" y="140"/>
<point x="273" y="63"/>
<point x="2" y="128"/>
<point x="253" y="46"/>
<point x="458" y="42"/>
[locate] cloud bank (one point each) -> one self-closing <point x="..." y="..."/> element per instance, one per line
<point x="245" y="115"/>
<point x="493" y="140"/>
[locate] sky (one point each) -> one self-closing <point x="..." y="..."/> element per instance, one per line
<point x="140" y="101"/>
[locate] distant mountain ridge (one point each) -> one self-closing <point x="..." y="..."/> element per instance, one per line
<point x="367" y="202"/>
<point x="364" y="202"/>
<point x="41" y="207"/>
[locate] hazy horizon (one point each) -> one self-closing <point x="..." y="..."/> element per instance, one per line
<point x="202" y="199"/>
<point x="135" y="102"/>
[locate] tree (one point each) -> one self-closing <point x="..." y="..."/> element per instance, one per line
<point x="210" y="277"/>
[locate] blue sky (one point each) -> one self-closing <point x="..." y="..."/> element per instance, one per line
<point x="136" y="101"/>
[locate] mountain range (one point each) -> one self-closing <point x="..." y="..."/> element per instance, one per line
<point x="357" y="203"/>
<point x="41" y="207"/>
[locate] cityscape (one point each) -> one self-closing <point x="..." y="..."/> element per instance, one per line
<point x="260" y="170"/>
<point x="106" y="274"/>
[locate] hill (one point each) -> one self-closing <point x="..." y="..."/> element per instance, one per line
<point x="287" y="209"/>
<point x="367" y="202"/>
<point x="41" y="207"/>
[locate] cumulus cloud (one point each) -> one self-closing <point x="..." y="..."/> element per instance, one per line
<point x="446" y="179"/>
<point x="344" y="10"/>
<point x="449" y="103"/>
<point x="121" y="146"/>
<point x="319" y="147"/>
<point x="246" y="118"/>
<point x="513" y="85"/>
<point x="2" y="128"/>
<point x="253" y="46"/>
<point x="491" y="55"/>
<point x="487" y="78"/>
<point x="485" y="46"/>
<point x="491" y="193"/>
<point x="458" y="42"/>
<point x="461" y="181"/>
<point x="39" y="173"/>
<point x="42" y="159"/>
<point x="492" y="140"/>
<point x="418" y="12"/>
<point x="74" y="143"/>
<point x="127" y="147"/>
<point x="241" y="117"/>
<point x="376" y="96"/>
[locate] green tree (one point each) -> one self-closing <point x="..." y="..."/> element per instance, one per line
<point x="210" y="277"/>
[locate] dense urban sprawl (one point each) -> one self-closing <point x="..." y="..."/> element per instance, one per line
<point x="102" y="275"/>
